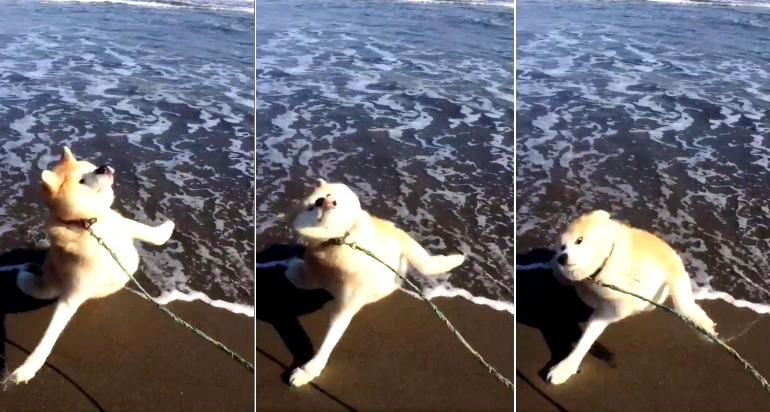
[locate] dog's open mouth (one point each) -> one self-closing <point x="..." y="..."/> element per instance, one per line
<point x="106" y="172"/>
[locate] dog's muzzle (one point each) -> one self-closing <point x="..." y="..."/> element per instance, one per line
<point x="325" y="203"/>
<point x="104" y="170"/>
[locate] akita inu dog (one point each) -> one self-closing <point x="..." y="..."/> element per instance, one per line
<point x="76" y="268"/>
<point x="353" y="278"/>
<point x="595" y="246"/>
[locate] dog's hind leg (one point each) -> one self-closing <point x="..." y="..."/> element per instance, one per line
<point x="342" y="313"/>
<point x="62" y="314"/>
<point x="423" y="261"/>
<point x="36" y="286"/>
<point x="681" y="292"/>
<point x="598" y="321"/>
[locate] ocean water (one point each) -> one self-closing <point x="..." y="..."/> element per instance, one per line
<point x="660" y="113"/>
<point x="410" y="104"/>
<point x="246" y="6"/>
<point x="163" y="92"/>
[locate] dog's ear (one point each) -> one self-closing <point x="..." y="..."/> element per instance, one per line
<point x="50" y="181"/>
<point x="601" y="214"/>
<point x="67" y="156"/>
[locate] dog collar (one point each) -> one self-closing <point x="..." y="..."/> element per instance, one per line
<point x="599" y="270"/>
<point x="337" y="241"/>
<point x="340" y="240"/>
<point x="83" y="223"/>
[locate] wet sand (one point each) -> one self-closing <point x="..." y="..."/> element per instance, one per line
<point x="396" y="355"/>
<point x="651" y="361"/>
<point x="122" y="353"/>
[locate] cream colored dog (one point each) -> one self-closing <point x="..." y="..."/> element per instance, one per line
<point x="595" y="246"/>
<point x="79" y="195"/>
<point x="352" y="277"/>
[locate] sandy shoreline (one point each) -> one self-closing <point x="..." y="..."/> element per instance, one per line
<point x="651" y="361"/>
<point x="396" y="355"/>
<point x="122" y="353"/>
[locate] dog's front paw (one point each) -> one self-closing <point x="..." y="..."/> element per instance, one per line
<point x="164" y="232"/>
<point x="455" y="260"/>
<point x="441" y="264"/>
<point x="22" y="374"/>
<point x="709" y="325"/>
<point x="561" y="372"/>
<point x="300" y="376"/>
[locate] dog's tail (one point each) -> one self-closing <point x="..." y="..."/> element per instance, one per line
<point x="681" y="292"/>
<point x="423" y="261"/>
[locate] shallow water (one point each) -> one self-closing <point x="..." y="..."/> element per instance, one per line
<point x="168" y="106"/>
<point x="410" y="104"/>
<point x="659" y="113"/>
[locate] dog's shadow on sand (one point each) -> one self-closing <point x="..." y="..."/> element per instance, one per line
<point x="542" y="302"/>
<point x="12" y="300"/>
<point x="280" y="303"/>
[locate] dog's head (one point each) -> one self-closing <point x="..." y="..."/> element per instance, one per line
<point x="585" y="245"/>
<point x="76" y="189"/>
<point x="330" y="211"/>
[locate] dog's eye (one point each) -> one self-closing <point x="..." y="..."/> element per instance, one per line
<point x="82" y="181"/>
<point x="579" y="240"/>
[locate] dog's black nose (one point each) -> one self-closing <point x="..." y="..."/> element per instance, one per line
<point x="562" y="259"/>
<point x="320" y="201"/>
<point x="103" y="170"/>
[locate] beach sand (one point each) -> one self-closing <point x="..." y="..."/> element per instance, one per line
<point x="651" y="361"/>
<point x="396" y="355"/>
<point x="122" y="353"/>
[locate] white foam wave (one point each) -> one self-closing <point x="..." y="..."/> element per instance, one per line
<point x="510" y="4"/>
<point x="174" y="295"/>
<point x="224" y="6"/>
<point x="706" y="293"/>
<point x="715" y="3"/>
<point x="447" y="291"/>
<point x="535" y="266"/>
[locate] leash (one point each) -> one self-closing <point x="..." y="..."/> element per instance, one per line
<point x="491" y="369"/>
<point x="746" y="365"/>
<point x="87" y="226"/>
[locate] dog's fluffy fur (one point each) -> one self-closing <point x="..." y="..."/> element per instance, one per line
<point x="634" y="260"/>
<point x="76" y="267"/>
<point x="352" y="277"/>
